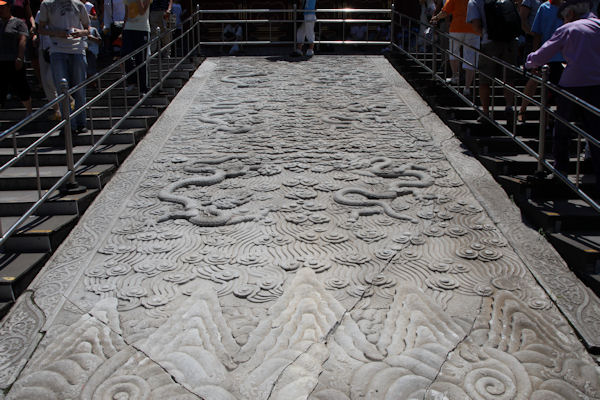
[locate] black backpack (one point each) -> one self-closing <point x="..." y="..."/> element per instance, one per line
<point x="502" y="20"/>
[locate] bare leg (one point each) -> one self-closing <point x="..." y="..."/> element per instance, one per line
<point x="454" y="66"/>
<point x="469" y="78"/>
<point x="530" y="88"/>
<point x="27" y="104"/>
<point x="484" y="96"/>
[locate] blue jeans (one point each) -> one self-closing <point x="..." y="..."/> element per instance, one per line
<point x="71" y="67"/>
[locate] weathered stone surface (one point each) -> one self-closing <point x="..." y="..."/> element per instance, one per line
<point x="295" y="230"/>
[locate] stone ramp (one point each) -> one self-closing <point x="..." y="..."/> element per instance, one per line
<point x="301" y="230"/>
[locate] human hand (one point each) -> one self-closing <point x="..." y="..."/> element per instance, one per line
<point x="77" y="33"/>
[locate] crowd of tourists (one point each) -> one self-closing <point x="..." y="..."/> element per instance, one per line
<point x="526" y="34"/>
<point x="63" y="39"/>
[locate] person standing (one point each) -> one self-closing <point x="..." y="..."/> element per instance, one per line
<point x="461" y="32"/>
<point x="160" y="12"/>
<point x="66" y="22"/>
<point x="46" y="72"/>
<point x="113" y="21"/>
<point x="136" y="33"/>
<point x="579" y="42"/>
<point x="499" y="25"/>
<point x="546" y="22"/>
<point x="527" y="11"/>
<point x="306" y="30"/>
<point x="178" y="12"/>
<point x="13" y="39"/>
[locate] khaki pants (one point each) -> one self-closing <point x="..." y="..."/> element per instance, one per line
<point x="157" y="21"/>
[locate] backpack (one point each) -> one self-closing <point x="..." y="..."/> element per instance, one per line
<point x="503" y="22"/>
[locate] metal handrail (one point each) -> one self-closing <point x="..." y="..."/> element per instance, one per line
<point x="196" y="21"/>
<point x="545" y="110"/>
<point x="294" y="21"/>
<point x="192" y="47"/>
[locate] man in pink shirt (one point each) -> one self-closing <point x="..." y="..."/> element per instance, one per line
<point x="579" y="42"/>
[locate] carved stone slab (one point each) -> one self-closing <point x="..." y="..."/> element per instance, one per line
<point x="293" y="230"/>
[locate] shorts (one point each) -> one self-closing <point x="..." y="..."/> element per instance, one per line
<point x="505" y="51"/>
<point x="13" y="81"/>
<point x="468" y="54"/>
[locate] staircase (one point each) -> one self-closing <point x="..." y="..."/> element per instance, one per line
<point x="24" y="254"/>
<point x="567" y="222"/>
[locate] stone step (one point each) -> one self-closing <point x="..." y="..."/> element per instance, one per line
<point x="16" y="272"/>
<point x="96" y="111"/>
<point x="99" y="123"/>
<point x="24" y="178"/>
<point x="522" y="164"/>
<point x="5" y="307"/>
<point x="474" y="128"/>
<point x="580" y="249"/>
<point x="464" y="112"/>
<point x="17" y="202"/>
<point x="523" y="185"/>
<point x="561" y="215"/>
<point x="38" y="233"/>
<point x="120" y="136"/>
<point x="106" y="154"/>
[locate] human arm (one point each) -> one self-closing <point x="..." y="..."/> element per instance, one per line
<point x="545" y="53"/>
<point x="170" y="7"/>
<point x="21" y="51"/>
<point x="474" y="17"/>
<point x="439" y="16"/>
<point x="30" y="18"/>
<point x="477" y="26"/>
<point x="524" y="12"/>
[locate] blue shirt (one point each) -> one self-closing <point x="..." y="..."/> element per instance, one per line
<point x="476" y="10"/>
<point x="533" y="6"/>
<point x="546" y="23"/>
<point x="310" y="15"/>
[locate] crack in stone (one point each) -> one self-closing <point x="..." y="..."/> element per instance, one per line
<point x="330" y="332"/>
<point x="42" y="332"/>
<point x="467" y="335"/>
<point x="132" y="345"/>
<point x="286" y="367"/>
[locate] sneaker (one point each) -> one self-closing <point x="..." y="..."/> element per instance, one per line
<point x="296" y="53"/>
<point x="466" y="92"/>
<point x="310" y="53"/>
<point x="81" y="129"/>
<point x="455" y="80"/>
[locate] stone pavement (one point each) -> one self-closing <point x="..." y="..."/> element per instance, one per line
<point x="293" y="230"/>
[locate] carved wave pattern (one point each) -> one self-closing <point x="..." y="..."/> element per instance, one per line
<point x="298" y="239"/>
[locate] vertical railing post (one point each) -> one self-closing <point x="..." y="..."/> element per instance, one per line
<point x="295" y="27"/>
<point x="542" y="128"/>
<point x="72" y="186"/>
<point x="159" y="58"/>
<point x="196" y="30"/>
<point x="392" y="23"/>
<point x="433" y="53"/>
